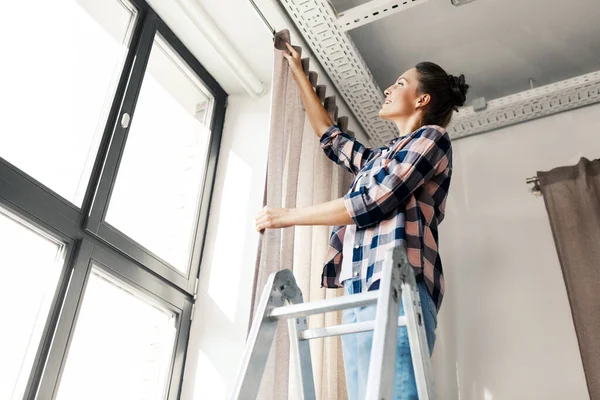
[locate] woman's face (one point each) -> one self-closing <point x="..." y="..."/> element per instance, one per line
<point x="402" y="98"/>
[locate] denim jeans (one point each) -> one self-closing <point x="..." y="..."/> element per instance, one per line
<point x="356" y="347"/>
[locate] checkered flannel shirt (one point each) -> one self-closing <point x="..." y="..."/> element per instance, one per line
<point x="397" y="198"/>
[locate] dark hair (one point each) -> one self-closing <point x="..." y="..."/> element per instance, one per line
<point x="447" y="93"/>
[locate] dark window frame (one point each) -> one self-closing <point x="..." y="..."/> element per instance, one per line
<point x="95" y="223"/>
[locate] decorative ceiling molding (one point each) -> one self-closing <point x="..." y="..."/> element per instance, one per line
<point x="325" y="33"/>
<point x="530" y="104"/>
<point x="372" y="11"/>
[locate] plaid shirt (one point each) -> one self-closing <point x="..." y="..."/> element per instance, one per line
<point x="397" y="198"/>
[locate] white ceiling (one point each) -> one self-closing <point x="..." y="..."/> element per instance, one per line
<point x="497" y="44"/>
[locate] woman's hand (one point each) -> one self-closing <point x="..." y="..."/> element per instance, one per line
<point x="317" y="114"/>
<point x="294" y="60"/>
<point x="271" y="218"/>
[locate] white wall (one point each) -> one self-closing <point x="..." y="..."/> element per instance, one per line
<point x="505" y="329"/>
<point x="222" y="310"/>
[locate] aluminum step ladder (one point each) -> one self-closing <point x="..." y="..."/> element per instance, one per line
<point x="282" y="300"/>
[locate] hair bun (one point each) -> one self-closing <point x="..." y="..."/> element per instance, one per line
<point x="459" y="89"/>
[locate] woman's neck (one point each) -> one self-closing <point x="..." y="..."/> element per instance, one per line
<point x="408" y="125"/>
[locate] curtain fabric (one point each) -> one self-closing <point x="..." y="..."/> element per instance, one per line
<point x="572" y="198"/>
<point x="299" y="174"/>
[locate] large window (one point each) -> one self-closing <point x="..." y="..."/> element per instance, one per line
<point x="163" y="160"/>
<point x="109" y="132"/>
<point x="58" y="80"/>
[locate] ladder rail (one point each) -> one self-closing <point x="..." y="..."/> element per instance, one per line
<point x="385" y="334"/>
<point x="300" y="355"/>
<point x="261" y="336"/>
<point x="417" y="339"/>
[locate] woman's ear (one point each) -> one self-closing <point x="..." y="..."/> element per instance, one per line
<point x="423" y="100"/>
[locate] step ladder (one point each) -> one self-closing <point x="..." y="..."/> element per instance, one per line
<point x="282" y="300"/>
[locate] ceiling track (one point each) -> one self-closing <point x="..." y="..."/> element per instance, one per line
<point x="317" y="22"/>
<point x="372" y="11"/>
<point x="528" y="105"/>
<point x="326" y="33"/>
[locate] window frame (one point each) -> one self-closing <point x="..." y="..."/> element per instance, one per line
<point x="96" y="224"/>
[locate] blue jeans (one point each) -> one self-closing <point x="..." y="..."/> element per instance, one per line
<point x="356" y="347"/>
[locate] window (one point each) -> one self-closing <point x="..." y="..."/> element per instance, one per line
<point x="59" y="85"/>
<point x="155" y="198"/>
<point x="109" y="132"/>
<point x="116" y="322"/>
<point x="30" y="262"/>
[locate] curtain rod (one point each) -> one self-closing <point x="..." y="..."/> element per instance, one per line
<point x="264" y="19"/>
<point x="536" y="190"/>
<point x="215" y="37"/>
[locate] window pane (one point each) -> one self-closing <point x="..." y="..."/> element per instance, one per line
<point x="64" y="58"/>
<point x="30" y="264"/>
<point x="155" y="198"/>
<point x="122" y="345"/>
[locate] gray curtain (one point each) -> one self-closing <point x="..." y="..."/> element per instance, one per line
<point x="572" y="197"/>
<point x="299" y="174"/>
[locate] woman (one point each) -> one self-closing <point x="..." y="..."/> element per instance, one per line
<point x="397" y="198"/>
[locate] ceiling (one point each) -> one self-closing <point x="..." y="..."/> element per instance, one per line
<point x="497" y="44"/>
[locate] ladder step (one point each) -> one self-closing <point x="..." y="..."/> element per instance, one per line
<point x="323" y="306"/>
<point x="343" y="329"/>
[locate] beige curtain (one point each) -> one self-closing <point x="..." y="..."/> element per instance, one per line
<point x="299" y="174"/>
<point x="572" y="197"/>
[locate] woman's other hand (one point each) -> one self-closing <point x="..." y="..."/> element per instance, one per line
<point x="294" y="60"/>
<point x="272" y="218"/>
